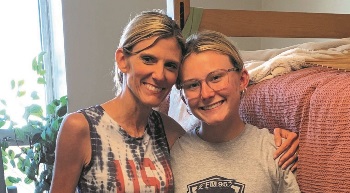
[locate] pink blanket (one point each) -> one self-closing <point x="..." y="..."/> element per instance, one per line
<point x="316" y="102"/>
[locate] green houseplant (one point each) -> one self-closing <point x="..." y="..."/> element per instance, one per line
<point x="40" y="131"/>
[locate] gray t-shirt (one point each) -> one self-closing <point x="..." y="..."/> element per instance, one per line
<point x="244" y="164"/>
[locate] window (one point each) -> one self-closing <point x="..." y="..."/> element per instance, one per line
<point x="27" y="28"/>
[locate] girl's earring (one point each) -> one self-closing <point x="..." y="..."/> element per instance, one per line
<point x="243" y="92"/>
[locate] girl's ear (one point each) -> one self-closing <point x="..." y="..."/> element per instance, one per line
<point x="120" y="59"/>
<point x="244" y="79"/>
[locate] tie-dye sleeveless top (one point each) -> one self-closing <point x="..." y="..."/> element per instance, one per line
<point x="121" y="163"/>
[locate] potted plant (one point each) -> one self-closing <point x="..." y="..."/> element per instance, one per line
<point x="40" y="131"/>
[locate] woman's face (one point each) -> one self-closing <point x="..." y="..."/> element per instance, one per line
<point x="211" y="106"/>
<point x="151" y="73"/>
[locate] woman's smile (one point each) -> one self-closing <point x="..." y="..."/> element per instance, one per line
<point x="153" y="88"/>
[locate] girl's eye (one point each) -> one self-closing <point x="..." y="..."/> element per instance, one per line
<point x="216" y="77"/>
<point x="191" y="85"/>
<point x="148" y="59"/>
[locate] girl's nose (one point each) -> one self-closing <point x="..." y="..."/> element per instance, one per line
<point x="206" y="91"/>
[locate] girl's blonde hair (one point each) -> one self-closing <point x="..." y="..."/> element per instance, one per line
<point x="208" y="40"/>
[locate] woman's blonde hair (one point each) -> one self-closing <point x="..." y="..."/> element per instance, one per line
<point x="143" y="26"/>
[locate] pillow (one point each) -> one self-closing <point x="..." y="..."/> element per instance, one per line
<point x="178" y="111"/>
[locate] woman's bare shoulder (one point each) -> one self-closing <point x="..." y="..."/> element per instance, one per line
<point x="75" y="124"/>
<point x="172" y="129"/>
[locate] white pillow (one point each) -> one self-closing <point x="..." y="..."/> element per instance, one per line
<point x="178" y="111"/>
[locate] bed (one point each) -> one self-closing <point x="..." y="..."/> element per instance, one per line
<point x="311" y="98"/>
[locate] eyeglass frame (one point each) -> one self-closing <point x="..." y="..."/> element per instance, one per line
<point x="233" y="69"/>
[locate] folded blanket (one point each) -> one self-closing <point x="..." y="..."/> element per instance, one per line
<point x="266" y="64"/>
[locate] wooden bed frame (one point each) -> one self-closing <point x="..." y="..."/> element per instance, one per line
<point x="265" y="23"/>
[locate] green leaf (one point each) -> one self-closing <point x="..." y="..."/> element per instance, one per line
<point x="4" y="145"/>
<point x="34" y="110"/>
<point x="42" y="72"/>
<point x="2" y="112"/>
<point x="28" y="163"/>
<point x="35" y="95"/>
<point x="41" y="80"/>
<point x="64" y="100"/>
<point x="12" y="162"/>
<point x="2" y="123"/>
<point x="11" y="154"/>
<point x="43" y="135"/>
<point x="50" y="109"/>
<point x="55" y="125"/>
<point x="56" y="102"/>
<point x="41" y="58"/>
<point x="34" y="64"/>
<point x="20" y="133"/>
<point x="13" y="84"/>
<point x="20" y="83"/>
<point x="21" y="93"/>
<point x="30" y="153"/>
<point x="31" y="171"/>
<point x="5" y="160"/>
<point x="20" y="165"/>
<point x="27" y="180"/>
<point x="12" y="180"/>
<point x="3" y="102"/>
<point x="49" y="133"/>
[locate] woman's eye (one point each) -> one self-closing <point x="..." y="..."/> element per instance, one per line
<point x="147" y="59"/>
<point x="171" y="66"/>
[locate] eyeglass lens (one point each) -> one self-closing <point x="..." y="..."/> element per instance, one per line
<point x="216" y="80"/>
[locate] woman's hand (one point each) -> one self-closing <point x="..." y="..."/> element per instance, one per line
<point x="289" y="148"/>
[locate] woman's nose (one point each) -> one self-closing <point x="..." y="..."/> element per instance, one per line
<point x="158" y="73"/>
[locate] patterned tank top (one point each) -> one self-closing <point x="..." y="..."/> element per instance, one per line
<point x="121" y="163"/>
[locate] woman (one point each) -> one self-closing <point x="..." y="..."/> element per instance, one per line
<point x="122" y="145"/>
<point x="223" y="154"/>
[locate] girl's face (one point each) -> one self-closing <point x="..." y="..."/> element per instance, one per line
<point x="151" y="73"/>
<point x="213" y="107"/>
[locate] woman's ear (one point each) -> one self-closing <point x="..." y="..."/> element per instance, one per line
<point x="120" y="59"/>
<point x="244" y="79"/>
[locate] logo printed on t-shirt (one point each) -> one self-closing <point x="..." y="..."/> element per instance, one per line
<point x="216" y="184"/>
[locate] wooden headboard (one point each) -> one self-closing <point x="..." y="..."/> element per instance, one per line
<point x="244" y="23"/>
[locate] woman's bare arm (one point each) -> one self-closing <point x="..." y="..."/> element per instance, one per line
<point x="73" y="152"/>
